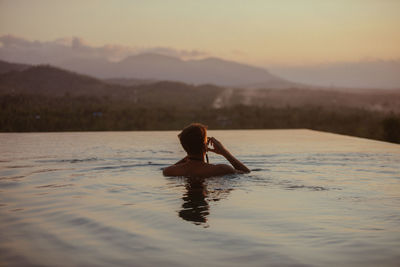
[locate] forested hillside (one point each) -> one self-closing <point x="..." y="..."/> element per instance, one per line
<point x="44" y="98"/>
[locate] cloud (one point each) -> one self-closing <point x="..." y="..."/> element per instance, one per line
<point x="17" y="49"/>
<point x="183" y="54"/>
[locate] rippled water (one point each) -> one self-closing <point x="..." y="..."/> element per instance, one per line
<point x="85" y="199"/>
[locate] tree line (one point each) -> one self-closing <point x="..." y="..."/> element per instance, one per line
<point x="38" y="113"/>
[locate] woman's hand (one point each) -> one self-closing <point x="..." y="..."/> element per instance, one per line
<point x="216" y="146"/>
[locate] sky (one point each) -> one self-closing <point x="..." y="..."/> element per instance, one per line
<point x="285" y="32"/>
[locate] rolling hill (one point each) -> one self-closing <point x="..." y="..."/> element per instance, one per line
<point x="49" y="81"/>
<point x="7" y="66"/>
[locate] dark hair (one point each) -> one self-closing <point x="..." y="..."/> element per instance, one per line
<point x="192" y="138"/>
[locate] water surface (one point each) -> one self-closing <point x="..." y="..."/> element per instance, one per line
<point x="99" y="199"/>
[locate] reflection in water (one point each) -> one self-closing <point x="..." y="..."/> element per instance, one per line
<point x="195" y="207"/>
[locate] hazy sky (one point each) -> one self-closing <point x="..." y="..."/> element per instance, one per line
<point x="259" y="32"/>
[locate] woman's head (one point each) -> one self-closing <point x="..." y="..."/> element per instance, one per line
<point x="194" y="139"/>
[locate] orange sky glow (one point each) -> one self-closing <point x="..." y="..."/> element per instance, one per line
<point x="291" y="32"/>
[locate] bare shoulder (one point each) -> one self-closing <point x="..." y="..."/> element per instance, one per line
<point x="171" y="171"/>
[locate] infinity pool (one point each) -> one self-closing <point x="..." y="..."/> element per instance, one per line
<point x="99" y="199"/>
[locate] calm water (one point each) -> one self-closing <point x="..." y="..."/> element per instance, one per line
<point x="99" y="199"/>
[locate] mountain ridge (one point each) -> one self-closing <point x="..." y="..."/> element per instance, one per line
<point x="152" y="66"/>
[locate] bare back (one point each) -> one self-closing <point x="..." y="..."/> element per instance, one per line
<point x="192" y="168"/>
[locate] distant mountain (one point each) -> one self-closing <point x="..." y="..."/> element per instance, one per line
<point x="159" y="67"/>
<point x="363" y="74"/>
<point x="76" y="55"/>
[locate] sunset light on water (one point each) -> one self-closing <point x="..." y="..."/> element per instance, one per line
<point x="312" y="198"/>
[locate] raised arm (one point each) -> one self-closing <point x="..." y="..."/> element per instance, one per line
<point x="218" y="148"/>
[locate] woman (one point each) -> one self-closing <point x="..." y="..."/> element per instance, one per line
<point x="195" y="142"/>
